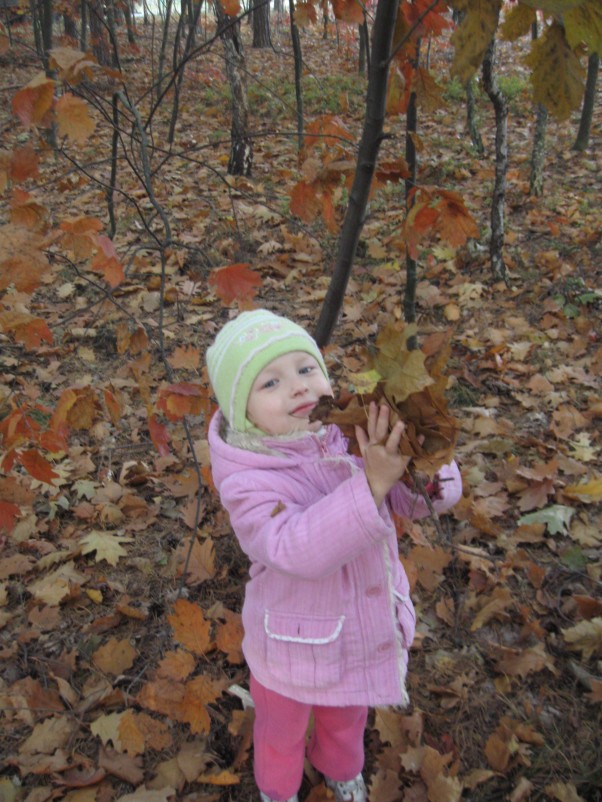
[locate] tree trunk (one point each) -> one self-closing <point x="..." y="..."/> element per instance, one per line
<point x="46" y="28"/>
<point x="112" y="26"/>
<point x="129" y="21"/>
<point x="241" y="149"/>
<point x="83" y="30"/>
<point x="261" y="24"/>
<point x="372" y="136"/>
<point x="409" y="299"/>
<point x="298" y="61"/>
<point x="471" y="122"/>
<point x="364" y="57"/>
<point x="162" y="52"/>
<point x="496" y="245"/>
<point x="589" y="99"/>
<point x="180" y="66"/>
<point x="100" y="47"/>
<point x="538" y="153"/>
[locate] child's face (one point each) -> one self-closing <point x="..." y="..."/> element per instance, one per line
<point x="285" y="392"/>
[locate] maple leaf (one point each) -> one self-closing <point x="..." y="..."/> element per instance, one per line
<point x="8" y="515"/>
<point x="176" y="665"/>
<point x="231" y="7"/>
<point x="106" y="546"/>
<point x="586" y="636"/>
<point x="305" y="14"/>
<point x="178" y="400"/>
<point x="73" y="118"/>
<point x="22" y="262"/>
<point x="107" y="262"/>
<point x="185" y="356"/>
<point x="115" y="656"/>
<point x="557" y="76"/>
<point x="583" y="23"/>
<point x="80" y="235"/>
<point x="348" y="11"/>
<point x="190" y="627"/>
<point x="72" y="65"/>
<point x="235" y="282"/>
<point x="37" y="466"/>
<point x="556" y="518"/>
<point x="517" y="22"/>
<point x="32" y="103"/>
<point x="159" y="434"/>
<point x="24" y="164"/>
<point x="29" y="330"/>
<point x="473" y="36"/>
<point x="229" y="637"/>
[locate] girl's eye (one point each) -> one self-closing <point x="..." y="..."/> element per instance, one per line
<point x="307" y="369"/>
<point x="269" y="383"/>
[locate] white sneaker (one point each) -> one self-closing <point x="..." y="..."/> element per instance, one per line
<point x="350" y="791"/>
<point x="265" y="798"/>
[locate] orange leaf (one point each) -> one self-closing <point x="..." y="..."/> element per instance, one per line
<point x="37" y="466"/>
<point x="176" y="665"/>
<point x="24" y="164"/>
<point x="73" y="118"/>
<point x="178" y="400"/>
<point x="34" y="101"/>
<point x="185" y="356"/>
<point x="8" y="516"/>
<point x="348" y="11"/>
<point x="30" y="331"/>
<point x="229" y="637"/>
<point x="159" y="435"/>
<point x="107" y="262"/>
<point x="190" y="627"/>
<point x="231" y="7"/>
<point x="456" y="224"/>
<point x="22" y="260"/>
<point x="305" y="13"/>
<point x="235" y="283"/>
<point x="80" y="235"/>
<point x="114" y="405"/>
<point x="72" y="65"/>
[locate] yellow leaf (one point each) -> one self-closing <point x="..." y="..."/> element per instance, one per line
<point x="584" y="24"/>
<point x="107" y="546"/>
<point x="473" y="36"/>
<point x="586" y="637"/>
<point x="95" y="595"/>
<point x="115" y="657"/>
<point x="190" y="627"/>
<point x="365" y="382"/>
<point x="73" y="118"/>
<point x="107" y="729"/>
<point x="587" y="492"/>
<point x="224" y="777"/>
<point x="557" y="75"/>
<point x="517" y="22"/>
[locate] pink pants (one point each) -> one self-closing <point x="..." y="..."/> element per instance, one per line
<point x="336" y="747"/>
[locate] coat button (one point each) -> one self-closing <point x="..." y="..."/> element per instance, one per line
<point x="374" y="590"/>
<point x="385" y="647"/>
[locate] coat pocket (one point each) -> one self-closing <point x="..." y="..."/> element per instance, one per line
<point x="305" y="651"/>
<point x="406" y="616"/>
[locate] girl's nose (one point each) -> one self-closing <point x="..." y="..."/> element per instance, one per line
<point x="299" y="386"/>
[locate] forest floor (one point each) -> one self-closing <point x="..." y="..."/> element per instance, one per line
<point x="101" y="615"/>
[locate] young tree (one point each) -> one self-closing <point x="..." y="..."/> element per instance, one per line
<point x="241" y="147"/>
<point x="261" y="24"/>
<point x="589" y="100"/>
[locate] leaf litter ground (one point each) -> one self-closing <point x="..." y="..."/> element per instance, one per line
<point x="113" y="686"/>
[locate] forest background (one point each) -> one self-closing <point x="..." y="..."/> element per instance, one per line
<point x="351" y="170"/>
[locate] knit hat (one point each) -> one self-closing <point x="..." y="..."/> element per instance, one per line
<point x="242" y="350"/>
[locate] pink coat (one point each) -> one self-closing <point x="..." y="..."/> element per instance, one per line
<point x="327" y="615"/>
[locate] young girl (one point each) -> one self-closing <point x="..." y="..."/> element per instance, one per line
<point x="327" y="615"/>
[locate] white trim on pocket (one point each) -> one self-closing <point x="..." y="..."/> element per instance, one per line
<point x="293" y="639"/>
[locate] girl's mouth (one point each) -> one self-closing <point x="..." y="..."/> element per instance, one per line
<point x="303" y="410"/>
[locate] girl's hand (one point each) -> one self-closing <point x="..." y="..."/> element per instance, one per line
<point x="383" y="463"/>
